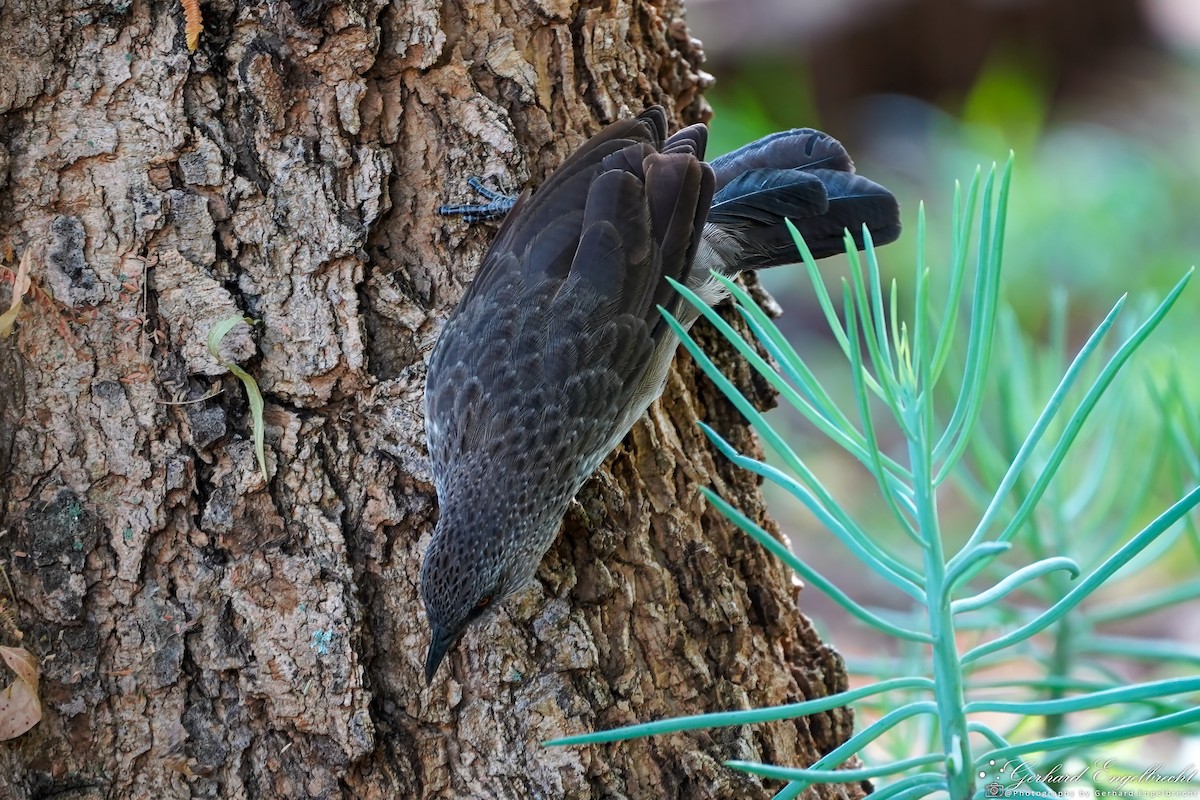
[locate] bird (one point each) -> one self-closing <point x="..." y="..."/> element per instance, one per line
<point x="558" y="345"/>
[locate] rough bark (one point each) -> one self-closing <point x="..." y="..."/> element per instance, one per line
<point x="204" y="633"/>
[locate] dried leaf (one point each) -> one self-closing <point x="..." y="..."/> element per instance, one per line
<point x="20" y="287"/>
<point x="20" y="707"/>
<point x="22" y="662"/>
<point x="193" y="23"/>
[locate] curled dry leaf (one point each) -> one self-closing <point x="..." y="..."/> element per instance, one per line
<point x="20" y="707"/>
<point x="193" y="23"/>
<point x="20" y="287"/>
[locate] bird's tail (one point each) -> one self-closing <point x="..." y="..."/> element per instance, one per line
<point x="802" y="175"/>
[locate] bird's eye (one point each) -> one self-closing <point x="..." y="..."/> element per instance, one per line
<point x="483" y="603"/>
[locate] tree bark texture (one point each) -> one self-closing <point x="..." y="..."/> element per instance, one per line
<point x="203" y="633"/>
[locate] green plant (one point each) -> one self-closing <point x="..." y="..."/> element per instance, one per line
<point x="253" y="395"/>
<point x="896" y="371"/>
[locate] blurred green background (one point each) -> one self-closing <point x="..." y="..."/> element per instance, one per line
<point x="1100" y="101"/>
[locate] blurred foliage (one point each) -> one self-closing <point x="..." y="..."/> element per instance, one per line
<point x="1104" y="203"/>
<point x="759" y="98"/>
<point x="1005" y="660"/>
<point x="1106" y="199"/>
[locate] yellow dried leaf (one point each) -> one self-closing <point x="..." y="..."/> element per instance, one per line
<point x="20" y="287"/>
<point x="193" y="23"/>
<point x="20" y="707"/>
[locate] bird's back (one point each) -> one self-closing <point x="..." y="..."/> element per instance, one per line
<point x="539" y="365"/>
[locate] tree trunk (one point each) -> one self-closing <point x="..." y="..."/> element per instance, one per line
<point x="203" y="633"/>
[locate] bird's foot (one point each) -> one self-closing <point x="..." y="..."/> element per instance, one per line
<point x="497" y="206"/>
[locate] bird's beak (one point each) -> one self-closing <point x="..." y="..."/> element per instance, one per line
<point x="440" y="645"/>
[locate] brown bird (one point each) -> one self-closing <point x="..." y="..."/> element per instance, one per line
<point x="558" y="346"/>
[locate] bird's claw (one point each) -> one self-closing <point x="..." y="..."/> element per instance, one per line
<point x="497" y="206"/>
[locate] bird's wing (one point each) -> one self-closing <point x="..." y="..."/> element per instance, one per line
<point x="555" y="343"/>
<point x="543" y="229"/>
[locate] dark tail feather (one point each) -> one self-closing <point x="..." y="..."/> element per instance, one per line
<point x="821" y="203"/>
<point x="803" y="175"/>
<point x="799" y="148"/>
<point x="854" y="201"/>
<point x="766" y="196"/>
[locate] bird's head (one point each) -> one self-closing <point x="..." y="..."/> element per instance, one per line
<point x="465" y="576"/>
